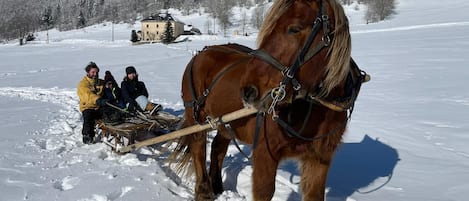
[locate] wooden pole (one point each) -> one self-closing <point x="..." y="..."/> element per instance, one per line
<point x="238" y="114"/>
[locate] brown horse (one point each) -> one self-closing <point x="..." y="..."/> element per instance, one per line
<point x="301" y="79"/>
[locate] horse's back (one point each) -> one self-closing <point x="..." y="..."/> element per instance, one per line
<point x="216" y="57"/>
<point x="216" y="70"/>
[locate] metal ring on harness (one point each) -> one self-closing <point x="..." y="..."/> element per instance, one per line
<point x="278" y="93"/>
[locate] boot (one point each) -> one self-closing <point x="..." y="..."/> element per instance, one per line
<point x="153" y="108"/>
<point x="87" y="139"/>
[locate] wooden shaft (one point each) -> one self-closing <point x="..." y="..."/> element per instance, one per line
<point x="238" y="114"/>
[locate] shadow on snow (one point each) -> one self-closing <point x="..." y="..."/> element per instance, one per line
<point x="355" y="166"/>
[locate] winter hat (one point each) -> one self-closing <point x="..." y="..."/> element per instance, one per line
<point x="130" y="70"/>
<point x="108" y="77"/>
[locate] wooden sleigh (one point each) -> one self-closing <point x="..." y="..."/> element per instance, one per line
<point x="135" y="128"/>
<point x="137" y="132"/>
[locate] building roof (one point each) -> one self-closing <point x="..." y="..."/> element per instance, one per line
<point x="160" y="17"/>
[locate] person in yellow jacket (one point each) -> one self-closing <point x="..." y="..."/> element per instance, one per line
<point x="90" y="90"/>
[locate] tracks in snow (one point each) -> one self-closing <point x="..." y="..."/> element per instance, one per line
<point x="413" y="27"/>
<point x="64" y="125"/>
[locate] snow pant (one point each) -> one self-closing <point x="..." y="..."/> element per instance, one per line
<point x="89" y="121"/>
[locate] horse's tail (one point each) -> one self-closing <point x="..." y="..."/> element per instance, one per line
<point x="181" y="155"/>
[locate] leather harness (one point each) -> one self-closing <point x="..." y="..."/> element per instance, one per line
<point x="340" y="104"/>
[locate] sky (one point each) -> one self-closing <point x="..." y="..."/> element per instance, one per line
<point x="407" y="139"/>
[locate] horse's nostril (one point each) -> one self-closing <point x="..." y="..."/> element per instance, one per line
<point x="250" y="93"/>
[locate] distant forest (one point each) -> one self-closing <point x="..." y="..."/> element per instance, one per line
<point x="20" y="18"/>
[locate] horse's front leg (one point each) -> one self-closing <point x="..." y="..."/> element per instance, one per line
<point x="217" y="155"/>
<point x="264" y="172"/>
<point x="313" y="177"/>
<point x="203" y="187"/>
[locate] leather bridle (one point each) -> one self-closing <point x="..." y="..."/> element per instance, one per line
<point x="305" y="54"/>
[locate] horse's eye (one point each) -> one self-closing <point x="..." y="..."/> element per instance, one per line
<point x="293" y="30"/>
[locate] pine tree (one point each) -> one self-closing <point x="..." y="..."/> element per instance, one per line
<point x="134" y="36"/>
<point x="168" y="35"/>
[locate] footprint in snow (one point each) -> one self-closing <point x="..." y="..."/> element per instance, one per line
<point x="67" y="183"/>
<point x="119" y="193"/>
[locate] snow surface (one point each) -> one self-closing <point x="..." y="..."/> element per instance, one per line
<point x="407" y="139"/>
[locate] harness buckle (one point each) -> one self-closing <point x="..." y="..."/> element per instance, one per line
<point x="296" y="84"/>
<point x="325" y="17"/>
<point x="326" y="39"/>
<point x="317" y="20"/>
<point x="205" y="93"/>
<point x="210" y="121"/>
<point x="297" y="87"/>
<point x="285" y="71"/>
<point x="289" y="74"/>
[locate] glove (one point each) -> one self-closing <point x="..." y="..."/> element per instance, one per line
<point x="102" y="101"/>
<point x="134" y="107"/>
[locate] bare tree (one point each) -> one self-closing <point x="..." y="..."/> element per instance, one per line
<point x="244" y="3"/>
<point x="221" y="10"/>
<point x="244" y="21"/>
<point x="346" y="2"/>
<point x="258" y="16"/>
<point x="189" y="7"/>
<point x="207" y="26"/>
<point x="379" y="10"/>
<point x="20" y="18"/>
<point x="225" y="12"/>
<point x="258" y="1"/>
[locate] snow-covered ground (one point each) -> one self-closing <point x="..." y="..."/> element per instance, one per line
<point x="406" y="141"/>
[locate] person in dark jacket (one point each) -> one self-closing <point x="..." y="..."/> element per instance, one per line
<point x="135" y="94"/>
<point x="111" y="100"/>
<point x="112" y="92"/>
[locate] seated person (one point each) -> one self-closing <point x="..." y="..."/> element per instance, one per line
<point x="135" y="93"/>
<point x="89" y="91"/>
<point x="111" y="101"/>
<point x="112" y="92"/>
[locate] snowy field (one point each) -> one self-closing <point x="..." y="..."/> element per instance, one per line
<point x="407" y="139"/>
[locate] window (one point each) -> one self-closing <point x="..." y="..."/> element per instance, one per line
<point x="148" y="25"/>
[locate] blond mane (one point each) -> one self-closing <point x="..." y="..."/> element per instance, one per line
<point x="339" y="52"/>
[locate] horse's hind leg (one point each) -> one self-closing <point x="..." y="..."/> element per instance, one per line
<point x="217" y="155"/>
<point x="313" y="178"/>
<point x="203" y="188"/>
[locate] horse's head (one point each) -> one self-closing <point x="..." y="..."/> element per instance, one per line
<point x="314" y="36"/>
